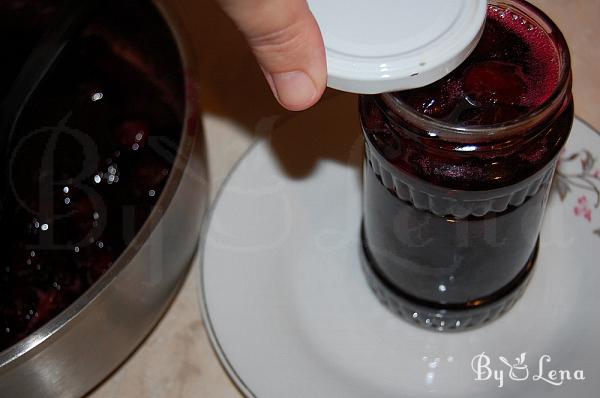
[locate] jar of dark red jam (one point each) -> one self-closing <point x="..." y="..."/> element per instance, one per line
<point x="457" y="174"/>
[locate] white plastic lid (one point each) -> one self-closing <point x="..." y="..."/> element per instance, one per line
<point x="376" y="46"/>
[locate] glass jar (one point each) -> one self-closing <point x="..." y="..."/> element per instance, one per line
<point x="453" y="204"/>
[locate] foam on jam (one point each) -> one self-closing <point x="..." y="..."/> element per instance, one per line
<point x="513" y="70"/>
<point x="542" y="64"/>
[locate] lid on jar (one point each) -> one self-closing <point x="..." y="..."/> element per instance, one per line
<point x="378" y="46"/>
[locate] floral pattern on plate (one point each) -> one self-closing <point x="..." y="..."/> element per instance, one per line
<point x="578" y="174"/>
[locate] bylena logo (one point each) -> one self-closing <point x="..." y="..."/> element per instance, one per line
<point x="519" y="371"/>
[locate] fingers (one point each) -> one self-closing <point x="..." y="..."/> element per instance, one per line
<point x="287" y="43"/>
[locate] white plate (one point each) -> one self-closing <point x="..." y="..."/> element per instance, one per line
<point x="290" y="314"/>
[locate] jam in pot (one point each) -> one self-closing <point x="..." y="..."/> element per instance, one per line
<point x="92" y="153"/>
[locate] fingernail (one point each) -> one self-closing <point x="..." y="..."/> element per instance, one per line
<point x="294" y="90"/>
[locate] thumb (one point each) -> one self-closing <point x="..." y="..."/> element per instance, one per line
<point x="287" y="43"/>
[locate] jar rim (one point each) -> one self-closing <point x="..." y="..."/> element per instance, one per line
<point x="448" y="130"/>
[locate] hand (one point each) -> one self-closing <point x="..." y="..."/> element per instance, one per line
<point x="287" y="43"/>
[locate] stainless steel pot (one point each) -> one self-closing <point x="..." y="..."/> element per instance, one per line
<point x="77" y="349"/>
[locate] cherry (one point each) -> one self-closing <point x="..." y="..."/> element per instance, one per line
<point x="98" y="262"/>
<point x="436" y="100"/>
<point x="501" y="44"/>
<point x="150" y="172"/>
<point x="133" y="134"/>
<point x="488" y="115"/>
<point x="495" y="82"/>
<point x="49" y="304"/>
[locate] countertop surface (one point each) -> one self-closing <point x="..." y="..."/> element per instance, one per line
<point x="176" y="360"/>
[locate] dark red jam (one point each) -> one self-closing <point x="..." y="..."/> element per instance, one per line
<point x="458" y="174"/>
<point x="514" y="69"/>
<point x="94" y="148"/>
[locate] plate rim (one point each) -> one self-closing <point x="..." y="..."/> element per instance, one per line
<point x="216" y="347"/>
